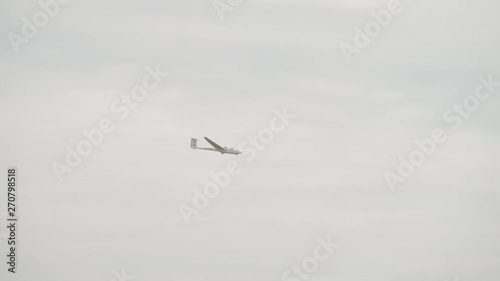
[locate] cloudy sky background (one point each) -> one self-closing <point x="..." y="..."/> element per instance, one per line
<point x="323" y="175"/>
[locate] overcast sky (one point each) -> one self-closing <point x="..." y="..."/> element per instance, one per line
<point x="322" y="175"/>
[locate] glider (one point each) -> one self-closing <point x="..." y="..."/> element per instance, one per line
<point x="216" y="147"/>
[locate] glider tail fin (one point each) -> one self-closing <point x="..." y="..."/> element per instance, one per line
<point x="194" y="143"/>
